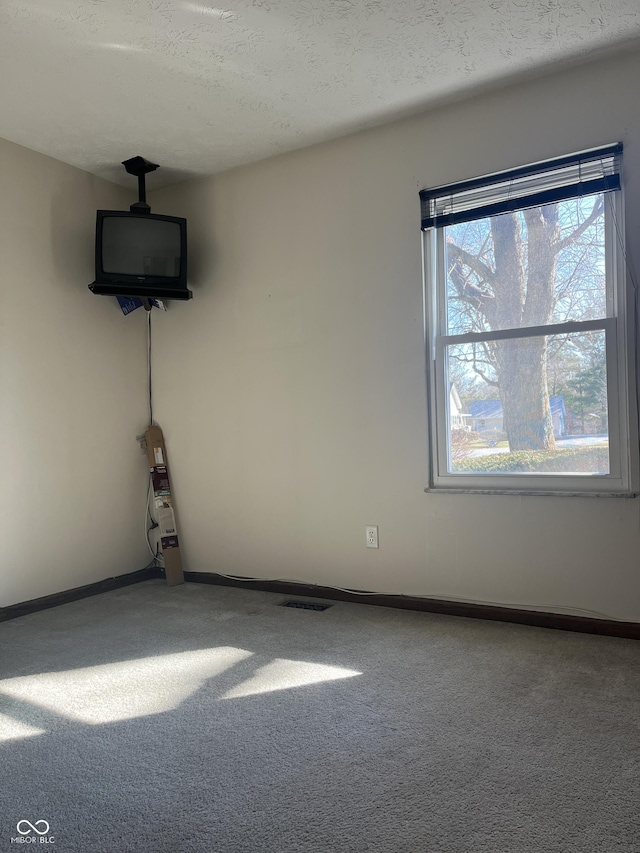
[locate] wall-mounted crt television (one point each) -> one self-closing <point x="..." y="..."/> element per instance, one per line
<point x="141" y="254"/>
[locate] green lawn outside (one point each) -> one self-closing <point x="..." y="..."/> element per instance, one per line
<point x="592" y="460"/>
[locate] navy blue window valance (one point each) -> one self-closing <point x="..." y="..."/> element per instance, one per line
<point x="586" y="173"/>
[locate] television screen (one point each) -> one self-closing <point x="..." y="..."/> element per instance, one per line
<point x="141" y="254"/>
<point x="141" y="246"/>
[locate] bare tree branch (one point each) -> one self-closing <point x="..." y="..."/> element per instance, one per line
<point x="598" y="207"/>
<point x="472" y="261"/>
<point x="470" y="293"/>
<point x="484" y="376"/>
<point x="575" y="273"/>
<point x="491" y="362"/>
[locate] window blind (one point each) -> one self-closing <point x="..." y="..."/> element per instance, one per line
<point x="593" y="171"/>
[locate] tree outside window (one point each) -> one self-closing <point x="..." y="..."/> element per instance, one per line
<point x="525" y="324"/>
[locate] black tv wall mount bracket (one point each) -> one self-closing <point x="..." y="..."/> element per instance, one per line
<point x="140" y="167"/>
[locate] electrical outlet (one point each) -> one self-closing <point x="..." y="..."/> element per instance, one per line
<point x="371" y="532"/>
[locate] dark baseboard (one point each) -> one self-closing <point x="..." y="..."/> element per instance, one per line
<point x="536" y="618"/>
<point x="16" y="610"/>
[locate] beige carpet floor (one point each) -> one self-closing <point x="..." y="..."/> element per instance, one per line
<point x="205" y="718"/>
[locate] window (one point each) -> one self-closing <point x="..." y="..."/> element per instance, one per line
<point x="526" y="337"/>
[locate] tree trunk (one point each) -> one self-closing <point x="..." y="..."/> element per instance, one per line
<point x="522" y="368"/>
<point x="526" y="298"/>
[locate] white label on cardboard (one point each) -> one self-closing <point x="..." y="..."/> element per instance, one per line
<point x="167" y="521"/>
<point x="157" y="455"/>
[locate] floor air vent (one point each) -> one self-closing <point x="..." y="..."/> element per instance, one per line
<point x="305" y="605"/>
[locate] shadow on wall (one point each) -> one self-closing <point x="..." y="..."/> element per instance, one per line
<point x="201" y="252"/>
<point x="202" y="239"/>
<point x="73" y="223"/>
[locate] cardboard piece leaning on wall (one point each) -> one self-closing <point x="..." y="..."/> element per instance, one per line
<point x="163" y="501"/>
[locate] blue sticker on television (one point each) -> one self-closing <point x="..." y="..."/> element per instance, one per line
<point x="129" y="303"/>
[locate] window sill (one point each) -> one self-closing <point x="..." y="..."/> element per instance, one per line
<point x="443" y="490"/>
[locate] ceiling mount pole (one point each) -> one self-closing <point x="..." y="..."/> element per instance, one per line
<point x="140" y="167"/>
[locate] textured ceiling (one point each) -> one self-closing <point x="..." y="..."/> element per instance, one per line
<point x="200" y="87"/>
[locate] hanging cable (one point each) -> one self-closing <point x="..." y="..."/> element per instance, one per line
<point x="149" y="366"/>
<point x="149" y="522"/>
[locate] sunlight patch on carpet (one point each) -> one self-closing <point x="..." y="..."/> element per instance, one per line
<point x="11" y="729"/>
<point x="123" y="690"/>
<point x="283" y="674"/>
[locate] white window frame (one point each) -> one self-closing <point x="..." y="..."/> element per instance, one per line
<point x="621" y="383"/>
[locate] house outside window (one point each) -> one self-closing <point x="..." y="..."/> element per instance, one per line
<point x="528" y="369"/>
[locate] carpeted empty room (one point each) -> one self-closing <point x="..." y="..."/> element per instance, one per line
<point x="210" y="718"/>
<point x="332" y="304"/>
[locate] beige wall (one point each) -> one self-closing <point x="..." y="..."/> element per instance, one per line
<point x="72" y="389"/>
<point x="291" y="390"/>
